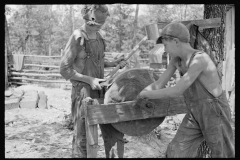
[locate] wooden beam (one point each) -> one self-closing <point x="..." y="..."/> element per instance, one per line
<point x="21" y="83"/>
<point x="202" y="23"/>
<point x="38" y="80"/>
<point x="37" y="65"/>
<point x="91" y="130"/>
<point x="42" y="56"/>
<point x="35" y="74"/>
<point x="127" y="111"/>
<point x="39" y="71"/>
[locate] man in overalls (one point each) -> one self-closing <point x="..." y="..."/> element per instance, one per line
<point x="83" y="63"/>
<point x="209" y="113"/>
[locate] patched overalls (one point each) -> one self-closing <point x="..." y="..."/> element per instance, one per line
<point x="208" y="118"/>
<point x="94" y="67"/>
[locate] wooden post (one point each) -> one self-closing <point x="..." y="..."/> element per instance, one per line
<point x="91" y="130"/>
<point x="6" y="70"/>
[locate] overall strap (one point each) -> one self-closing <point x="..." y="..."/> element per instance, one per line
<point x="103" y="40"/>
<point x="85" y="43"/>
<point x="179" y="65"/>
<point x="192" y="58"/>
<point x="206" y="90"/>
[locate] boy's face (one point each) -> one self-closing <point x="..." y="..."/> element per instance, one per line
<point x="170" y="45"/>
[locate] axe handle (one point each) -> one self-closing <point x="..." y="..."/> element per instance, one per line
<point x="131" y="53"/>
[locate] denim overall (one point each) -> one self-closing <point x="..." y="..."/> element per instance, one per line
<point x="208" y="118"/>
<point x="94" y="67"/>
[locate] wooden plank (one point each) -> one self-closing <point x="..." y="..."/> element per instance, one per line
<point x="40" y="71"/>
<point x="35" y="74"/>
<point x="38" y="80"/>
<point x="42" y="56"/>
<point x="127" y="111"/>
<point x="21" y="83"/>
<point x="91" y="131"/>
<point x="37" y="65"/>
<point x="202" y="23"/>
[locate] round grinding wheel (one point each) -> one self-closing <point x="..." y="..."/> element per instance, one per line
<point x="126" y="86"/>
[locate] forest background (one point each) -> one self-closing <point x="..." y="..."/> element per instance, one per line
<point x="45" y="29"/>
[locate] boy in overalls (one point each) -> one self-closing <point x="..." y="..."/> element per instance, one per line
<point x="83" y="63"/>
<point x="209" y="113"/>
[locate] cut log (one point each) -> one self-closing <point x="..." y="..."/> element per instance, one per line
<point x="42" y="103"/>
<point x="12" y="103"/>
<point x="127" y="85"/>
<point x="29" y="100"/>
<point x="8" y="93"/>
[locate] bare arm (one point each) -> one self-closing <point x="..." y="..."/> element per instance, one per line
<point x="164" y="78"/>
<point x="197" y="66"/>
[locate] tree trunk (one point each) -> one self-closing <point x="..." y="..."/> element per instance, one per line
<point x="120" y="30"/>
<point x="70" y="18"/>
<point x="7" y="51"/>
<point x="135" y="27"/>
<point x="185" y="13"/>
<point x="50" y="34"/>
<point x="73" y="23"/>
<point x="28" y="34"/>
<point x="215" y="36"/>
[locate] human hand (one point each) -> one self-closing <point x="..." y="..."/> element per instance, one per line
<point x="94" y="83"/>
<point x="121" y="61"/>
<point x="145" y="104"/>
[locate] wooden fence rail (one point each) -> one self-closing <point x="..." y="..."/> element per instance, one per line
<point x="39" y="80"/>
<point x="38" y="71"/>
<point x="38" y="65"/>
<point x="47" y="76"/>
<point x="35" y="74"/>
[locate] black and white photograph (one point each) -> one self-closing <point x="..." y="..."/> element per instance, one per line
<point x="119" y="80"/>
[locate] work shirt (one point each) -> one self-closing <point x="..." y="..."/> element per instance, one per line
<point x="79" y="57"/>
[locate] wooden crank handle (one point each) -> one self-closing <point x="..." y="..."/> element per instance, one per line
<point x="132" y="52"/>
<point x="136" y="47"/>
<point x="114" y="71"/>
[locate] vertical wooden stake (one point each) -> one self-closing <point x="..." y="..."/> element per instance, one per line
<point x="91" y="132"/>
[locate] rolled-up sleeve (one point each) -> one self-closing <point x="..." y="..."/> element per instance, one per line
<point x="70" y="53"/>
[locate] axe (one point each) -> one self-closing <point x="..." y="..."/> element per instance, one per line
<point x="152" y="34"/>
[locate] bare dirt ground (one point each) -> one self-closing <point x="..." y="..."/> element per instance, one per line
<point x="42" y="133"/>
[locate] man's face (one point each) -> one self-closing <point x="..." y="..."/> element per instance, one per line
<point x="97" y="27"/>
